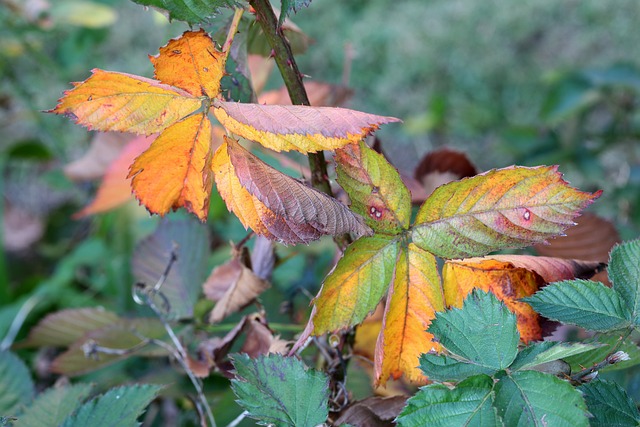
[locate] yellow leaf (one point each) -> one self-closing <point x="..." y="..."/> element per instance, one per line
<point x="414" y="298"/>
<point x="191" y="62"/>
<point x="175" y="171"/>
<point x="122" y="102"/>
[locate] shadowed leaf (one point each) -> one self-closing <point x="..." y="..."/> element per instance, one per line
<point x="16" y="385"/>
<point x="609" y="404"/>
<point x="294" y="127"/>
<point x="441" y="166"/>
<point x="193" y="12"/>
<point x="54" y="405"/>
<point x="111" y="101"/>
<point x="511" y="207"/>
<point x="624" y="272"/>
<point x="373" y="411"/>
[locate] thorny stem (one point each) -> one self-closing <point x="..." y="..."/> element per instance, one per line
<point x="578" y="376"/>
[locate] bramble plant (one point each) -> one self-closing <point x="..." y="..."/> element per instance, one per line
<point x="459" y="327"/>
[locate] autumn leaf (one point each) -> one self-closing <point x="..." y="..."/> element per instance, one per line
<point x="414" y="297"/>
<point x="175" y="171"/>
<point x="504" y="208"/>
<point x="296" y="212"/>
<point x="191" y="62"/>
<point x="296" y="127"/>
<point x="510" y="278"/>
<point x="374" y="187"/>
<point x="442" y="166"/>
<point x="111" y="101"/>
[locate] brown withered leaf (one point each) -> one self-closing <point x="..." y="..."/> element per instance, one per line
<point x="104" y="149"/>
<point x="307" y="212"/>
<point x="263" y="258"/>
<point x="320" y="95"/>
<point x="373" y="411"/>
<point x="234" y="286"/>
<point x="442" y="166"/>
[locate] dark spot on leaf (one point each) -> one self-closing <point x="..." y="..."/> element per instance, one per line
<point x="177" y="51"/>
<point x="526" y="215"/>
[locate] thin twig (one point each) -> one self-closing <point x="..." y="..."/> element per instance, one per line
<point x="18" y="321"/>
<point x="579" y="377"/>
<point x="233" y="29"/>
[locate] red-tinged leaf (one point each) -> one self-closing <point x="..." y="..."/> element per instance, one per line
<point x="505" y="208"/>
<point x="105" y="148"/>
<point x="110" y="101"/>
<point x="64" y="327"/>
<point x="295" y="127"/>
<point x="115" y="188"/>
<point x="176" y="170"/>
<point x="292" y="200"/>
<point x="355" y="286"/>
<point x="374" y="187"/>
<point x="241" y="287"/>
<point x="191" y="62"/>
<point x="442" y="166"/>
<point x="414" y="297"/>
<point x="550" y="269"/>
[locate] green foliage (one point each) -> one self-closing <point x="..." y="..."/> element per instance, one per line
<point x="117" y="407"/>
<point x="289" y="6"/>
<point x="609" y="404"/>
<point x="193" y="12"/>
<point x="280" y="390"/>
<point x="53" y="406"/>
<point x="16" y="386"/>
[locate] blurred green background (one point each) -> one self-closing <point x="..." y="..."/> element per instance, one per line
<point x="525" y="82"/>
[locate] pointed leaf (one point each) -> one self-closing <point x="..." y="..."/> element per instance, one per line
<point x="441" y="367"/>
<point x="115" y="188"/>
<point x="281" y="391"/>
<point x="609" y="404"/>
<point x="374" y="187"/>
<point x="54" y="405"/>
<point x="548" y="351"/>
<point x="292" y="200"/>
<point x="356" y="285"/>
<point x="288" y="6"/>
<point x="182" y="286"/>
<point x="193" y="12"/>
<point x="587" y="304"/>
<point x="505" y="208"/>
<point x="624" y="272"/>
<point x="482" y="332"/>
<point x="191" y="62"/>
<point x="64" y="327"/>
<point x="296" y="127"/>
<point x="470" y="403"/>
<point x="176" y="170"/>
<point x="16" y="385"/>
<point x="122" y="102"/>
<point x="528" y="398"/>
<point x="414" y="297"/>
<point x="605" y="345"/>
<point x="118" y="407"/>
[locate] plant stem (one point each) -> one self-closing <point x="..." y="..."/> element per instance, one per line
<point x="233" y="29"/>
<point x="283" y="55"/>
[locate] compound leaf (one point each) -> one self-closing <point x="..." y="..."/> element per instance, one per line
<point x="441" y="367"/>
<point x="609" y="404"/>
<point x="295" y="127"/>
<point x="111" y="101"/>
<point x="374" y="187"/>
<point x="414" y="297"/>
<point x="280" y="390"/>
<point x="469" y="403"/>
<point x="584" y="303"/>
<point x="511" y="207"/>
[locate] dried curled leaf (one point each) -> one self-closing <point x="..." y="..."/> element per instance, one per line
<point x="111" y="101"/>
<point x="175" y="171"/>
<point x="295" y="211"/>
<point x="295" y="127"/>
<point x="506" y="208"/>
<point x="191" y="62"/>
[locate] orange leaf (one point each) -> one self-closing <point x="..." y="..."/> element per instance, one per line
<point x="414" y="297"/>
<point x="295" y="127"/>
<point x="122" y="102"/>
<point x="511" y="277"/>
<point x="115" y="188"/>
<point x="191" y="62"/>
<point x="175" y="171"/>
<point x="311" y="211"/>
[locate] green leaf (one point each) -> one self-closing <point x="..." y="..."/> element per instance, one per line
<point x="447" y="368"/>
<point x="527" y="398"/>
<point x="374" y="187"/>
<point x="280" y="390"/>
<point x="482" y="332"/>
<point x="53" y="406"/>
<point x="609" y="404"/>
<point x="182" y="286"/>
<point x="605" y="345"/>
<point x="118" y="407"/>
<point x="548" y="351"/>
<point x="289" y="6"/>
<point x="468" y="404"/>
<point x="16" y="386"/>
<point x="584" y="303"/>
<point x="191" y="11"/>
<point x="506" y="208"/>
<point x="624" y="272"/>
